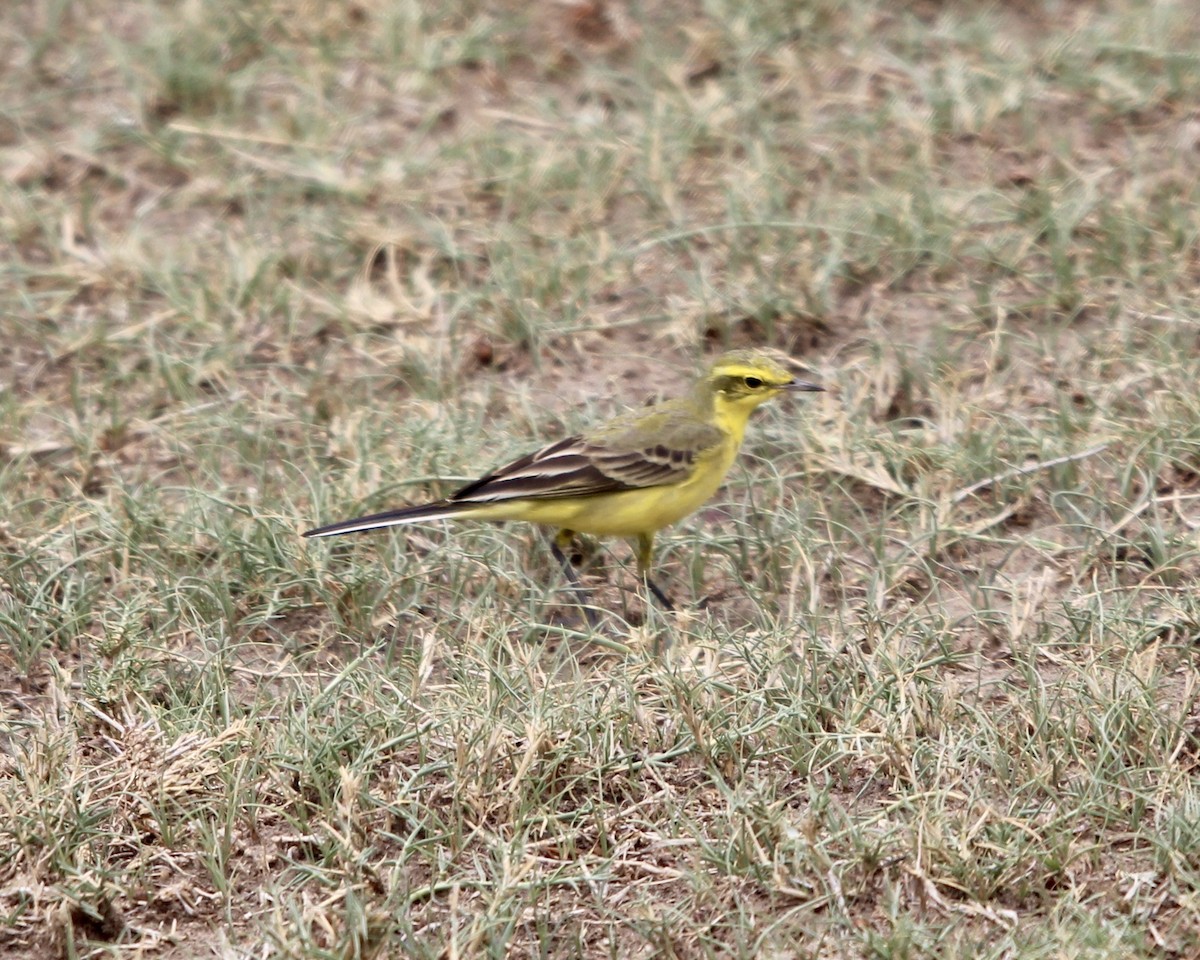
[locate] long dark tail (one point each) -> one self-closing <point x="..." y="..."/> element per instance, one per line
<point x="441" y="510"/>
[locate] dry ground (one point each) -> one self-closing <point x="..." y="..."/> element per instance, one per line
<point x="271" y="263"/>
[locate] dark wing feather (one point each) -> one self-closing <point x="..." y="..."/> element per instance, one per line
<point x="618" y="458"/>
<point x="558" y="470"/>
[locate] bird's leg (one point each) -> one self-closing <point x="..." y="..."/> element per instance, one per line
<point x="560" y="542"/>
<point x="644" y="551"/>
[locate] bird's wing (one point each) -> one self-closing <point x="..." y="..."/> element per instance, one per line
<point x="645" y="450"/>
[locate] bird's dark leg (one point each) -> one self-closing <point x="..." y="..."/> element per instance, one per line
<point x="560" y="542"/>
<point x="644" y="551"/>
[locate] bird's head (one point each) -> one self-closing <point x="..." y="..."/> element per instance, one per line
<point x="742" y="379"/>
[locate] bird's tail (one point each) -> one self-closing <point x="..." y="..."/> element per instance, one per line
<point x="441" y="510"/>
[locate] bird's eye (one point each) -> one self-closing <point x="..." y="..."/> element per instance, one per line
<point x="753" y="383"/>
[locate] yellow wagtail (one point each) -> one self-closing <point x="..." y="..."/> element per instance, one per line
<point x="629" y="477"/>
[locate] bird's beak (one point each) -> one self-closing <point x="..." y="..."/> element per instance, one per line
<point x="803" y="386"/>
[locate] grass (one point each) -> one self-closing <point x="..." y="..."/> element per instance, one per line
<point x="268" y="265"/>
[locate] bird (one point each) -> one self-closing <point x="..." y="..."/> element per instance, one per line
<point x="628" y="477"/>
